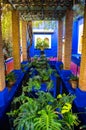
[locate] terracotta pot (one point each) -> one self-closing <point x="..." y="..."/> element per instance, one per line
<point x="10" y="84"/>
<point x="74" y="83"/>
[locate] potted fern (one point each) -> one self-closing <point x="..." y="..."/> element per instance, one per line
<point x="73" y="81"/>
<point x="10" y="79"/>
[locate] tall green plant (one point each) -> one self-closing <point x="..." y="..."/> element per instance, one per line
<point x="44" y="113"/>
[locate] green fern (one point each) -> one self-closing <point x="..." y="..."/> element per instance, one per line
<point x="47" y="120"/>
<point x="44" y="99"/>
<point x="71" y="119"/>
<point x="27" y="113"/>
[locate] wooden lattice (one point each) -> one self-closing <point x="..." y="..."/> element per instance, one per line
<point x="41" y="9"/>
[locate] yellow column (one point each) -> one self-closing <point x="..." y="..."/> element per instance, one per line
<point x="68" y="39"/>
<point x="24" y="41"/>
<point x="16" y="39"/>
<point x="82" y="78"/>
<point x="2" y="67"/>
<point x="60" y="31"/>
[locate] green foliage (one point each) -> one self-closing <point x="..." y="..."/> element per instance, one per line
<point x="42" y="44"/>
<point x="78" y="10"/>
<point x="7" y="49"/>
<point x="32" y="83"/>
<point x="44" y="24"/>
<point x="73" y="77"/>
<point x="10" y="77"/>
<point x="43" y="112"/>
<point x="42" y="67"/>
<point x="26" y="115"/>
<point x="7" y="32"/>
<point x="44" y="99"/>
<point x="47" y="120"/>
<point x="71" y="119"/>
<point x="7" y="26"/>
<point x="34" y="62"/>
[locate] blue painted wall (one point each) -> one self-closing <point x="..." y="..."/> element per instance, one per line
<point x="54" y="41"/>
<point x="75" y="37"/>
<point x="51" y="52"/>
<point x="75" y="34"/>
<point x="80" y="22"/>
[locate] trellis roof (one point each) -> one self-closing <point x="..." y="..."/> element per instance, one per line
<point x="42" y="9"/>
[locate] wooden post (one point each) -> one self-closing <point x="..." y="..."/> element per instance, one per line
<point x="82" y="77"/>
<point x="68" y="39"/>
<point x="16" y="39"/>
<point x="60" y="31"/>
<point x="24" y="41"/>
<point x="2" y="66"/>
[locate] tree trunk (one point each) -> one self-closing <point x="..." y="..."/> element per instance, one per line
<point x="29" y="26"/>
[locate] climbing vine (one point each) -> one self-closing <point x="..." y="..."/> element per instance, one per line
<point x="44" y="24"/>
<point x="6" y="20"/>
<point x="7" y="26"/>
